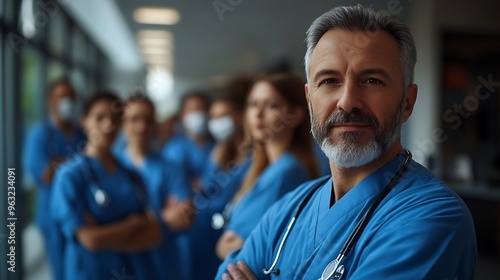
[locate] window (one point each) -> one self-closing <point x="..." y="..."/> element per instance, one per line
<point x="78" y="46"/>
<point x="58" y="35"/>
<point x="27" y="19"/>
<point x="32" y="95"/>
<point x="79" y="81"/>
<point x="35" y="49"/>
<point x="1" y="8"/>
<point x="55" y="70"/>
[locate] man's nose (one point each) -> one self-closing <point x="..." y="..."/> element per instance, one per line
<point x="350" y="97"/>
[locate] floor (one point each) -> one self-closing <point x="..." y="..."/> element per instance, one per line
<point x="35" y="264"/>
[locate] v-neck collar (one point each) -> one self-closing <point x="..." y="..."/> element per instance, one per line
<point x="98" y="168"/>
<point x="354" y="203"/>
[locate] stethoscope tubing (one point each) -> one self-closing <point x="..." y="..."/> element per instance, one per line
<point x="96" y="188"/>
<point x="359" y="228"/>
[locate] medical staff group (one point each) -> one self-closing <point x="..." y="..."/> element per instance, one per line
<point x="241" y="190"/>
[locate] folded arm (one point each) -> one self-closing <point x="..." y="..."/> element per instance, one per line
<point x="132" y="234"/>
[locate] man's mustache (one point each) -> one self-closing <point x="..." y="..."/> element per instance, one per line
<point x="357" y="117"/>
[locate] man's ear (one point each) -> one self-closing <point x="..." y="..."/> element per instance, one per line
<point x="306" y="91"/>
<point x="409" y="102"/>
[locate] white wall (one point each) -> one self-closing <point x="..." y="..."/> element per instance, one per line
<point x="422" y="22"/>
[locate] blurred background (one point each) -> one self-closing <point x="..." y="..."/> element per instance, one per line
<point x="169" y="47"/>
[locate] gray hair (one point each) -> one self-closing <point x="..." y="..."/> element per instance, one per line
<point x="367" y="20"/>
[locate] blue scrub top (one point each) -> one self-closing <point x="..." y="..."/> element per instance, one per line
<point x="185" y="153"/>
<point x="72" y="198"/>
<point x="280" y="177"/>
<point x="161" y="180"/>
<point x="421" y="230"/>
<point x="219" y="186"/>
<point x="43" y="143"/>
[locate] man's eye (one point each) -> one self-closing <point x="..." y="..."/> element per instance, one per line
<point x="374" y="81"/>
<point x="330" y="81"/>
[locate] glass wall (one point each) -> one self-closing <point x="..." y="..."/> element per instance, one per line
<point x="31" y="93"/>
<point x="39" y="43"/>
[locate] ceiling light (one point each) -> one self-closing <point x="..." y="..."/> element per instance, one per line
<point x="147" y="33"/>
<point x="155" y="42"/>
<point x="163" y="16"/>
<point x="152" y="50"/>
<point x="157" y="59"/>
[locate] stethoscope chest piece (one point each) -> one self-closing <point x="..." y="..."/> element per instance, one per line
<point x="218" y="221"/>
<point x="221" y="220"/>
<point x="101" y="197"/>
<point x="333" y="271"/>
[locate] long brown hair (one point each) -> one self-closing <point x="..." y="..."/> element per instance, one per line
<point x="291" y="88"/>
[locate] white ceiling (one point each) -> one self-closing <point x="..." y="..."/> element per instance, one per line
<point x="251" y="36"/>
<point x="254" y="35"/>
<point x="106" y="25"/>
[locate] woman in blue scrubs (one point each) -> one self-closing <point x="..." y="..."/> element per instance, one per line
<point x="222" y="177"/>
<point x="167" y="185"/>
<point x="283" y="155"/>
<point x="101" y="206"/>
<point x="191" y="149"/>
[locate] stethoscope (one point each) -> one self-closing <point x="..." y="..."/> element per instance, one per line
<point x="101" y="197"/>
<point x="335" y="270"/>
<point x="221" y="220"/>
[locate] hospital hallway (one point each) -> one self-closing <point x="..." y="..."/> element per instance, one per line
<point x="153" y="136"/>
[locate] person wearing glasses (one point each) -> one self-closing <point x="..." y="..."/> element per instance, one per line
<point x="380" y="215"/>
<point x="101" y="206"/>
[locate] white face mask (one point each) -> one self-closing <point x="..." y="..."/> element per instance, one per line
<point x="196" y="122"/>
<point x="221" y="128"/>
<point x="66" y="108"/>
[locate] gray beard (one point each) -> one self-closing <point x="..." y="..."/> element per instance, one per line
<point x="351" y="155"/>
<point x="347" y="153"/>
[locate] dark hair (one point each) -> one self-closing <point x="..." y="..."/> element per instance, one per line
<point x="102" y="95"/>
<point x="237" y="100"/>
<point x="58" y="82"/>
<point x="236" y="92"/>
<point x="194" y="94"/>
<point x="140" y="97"/>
